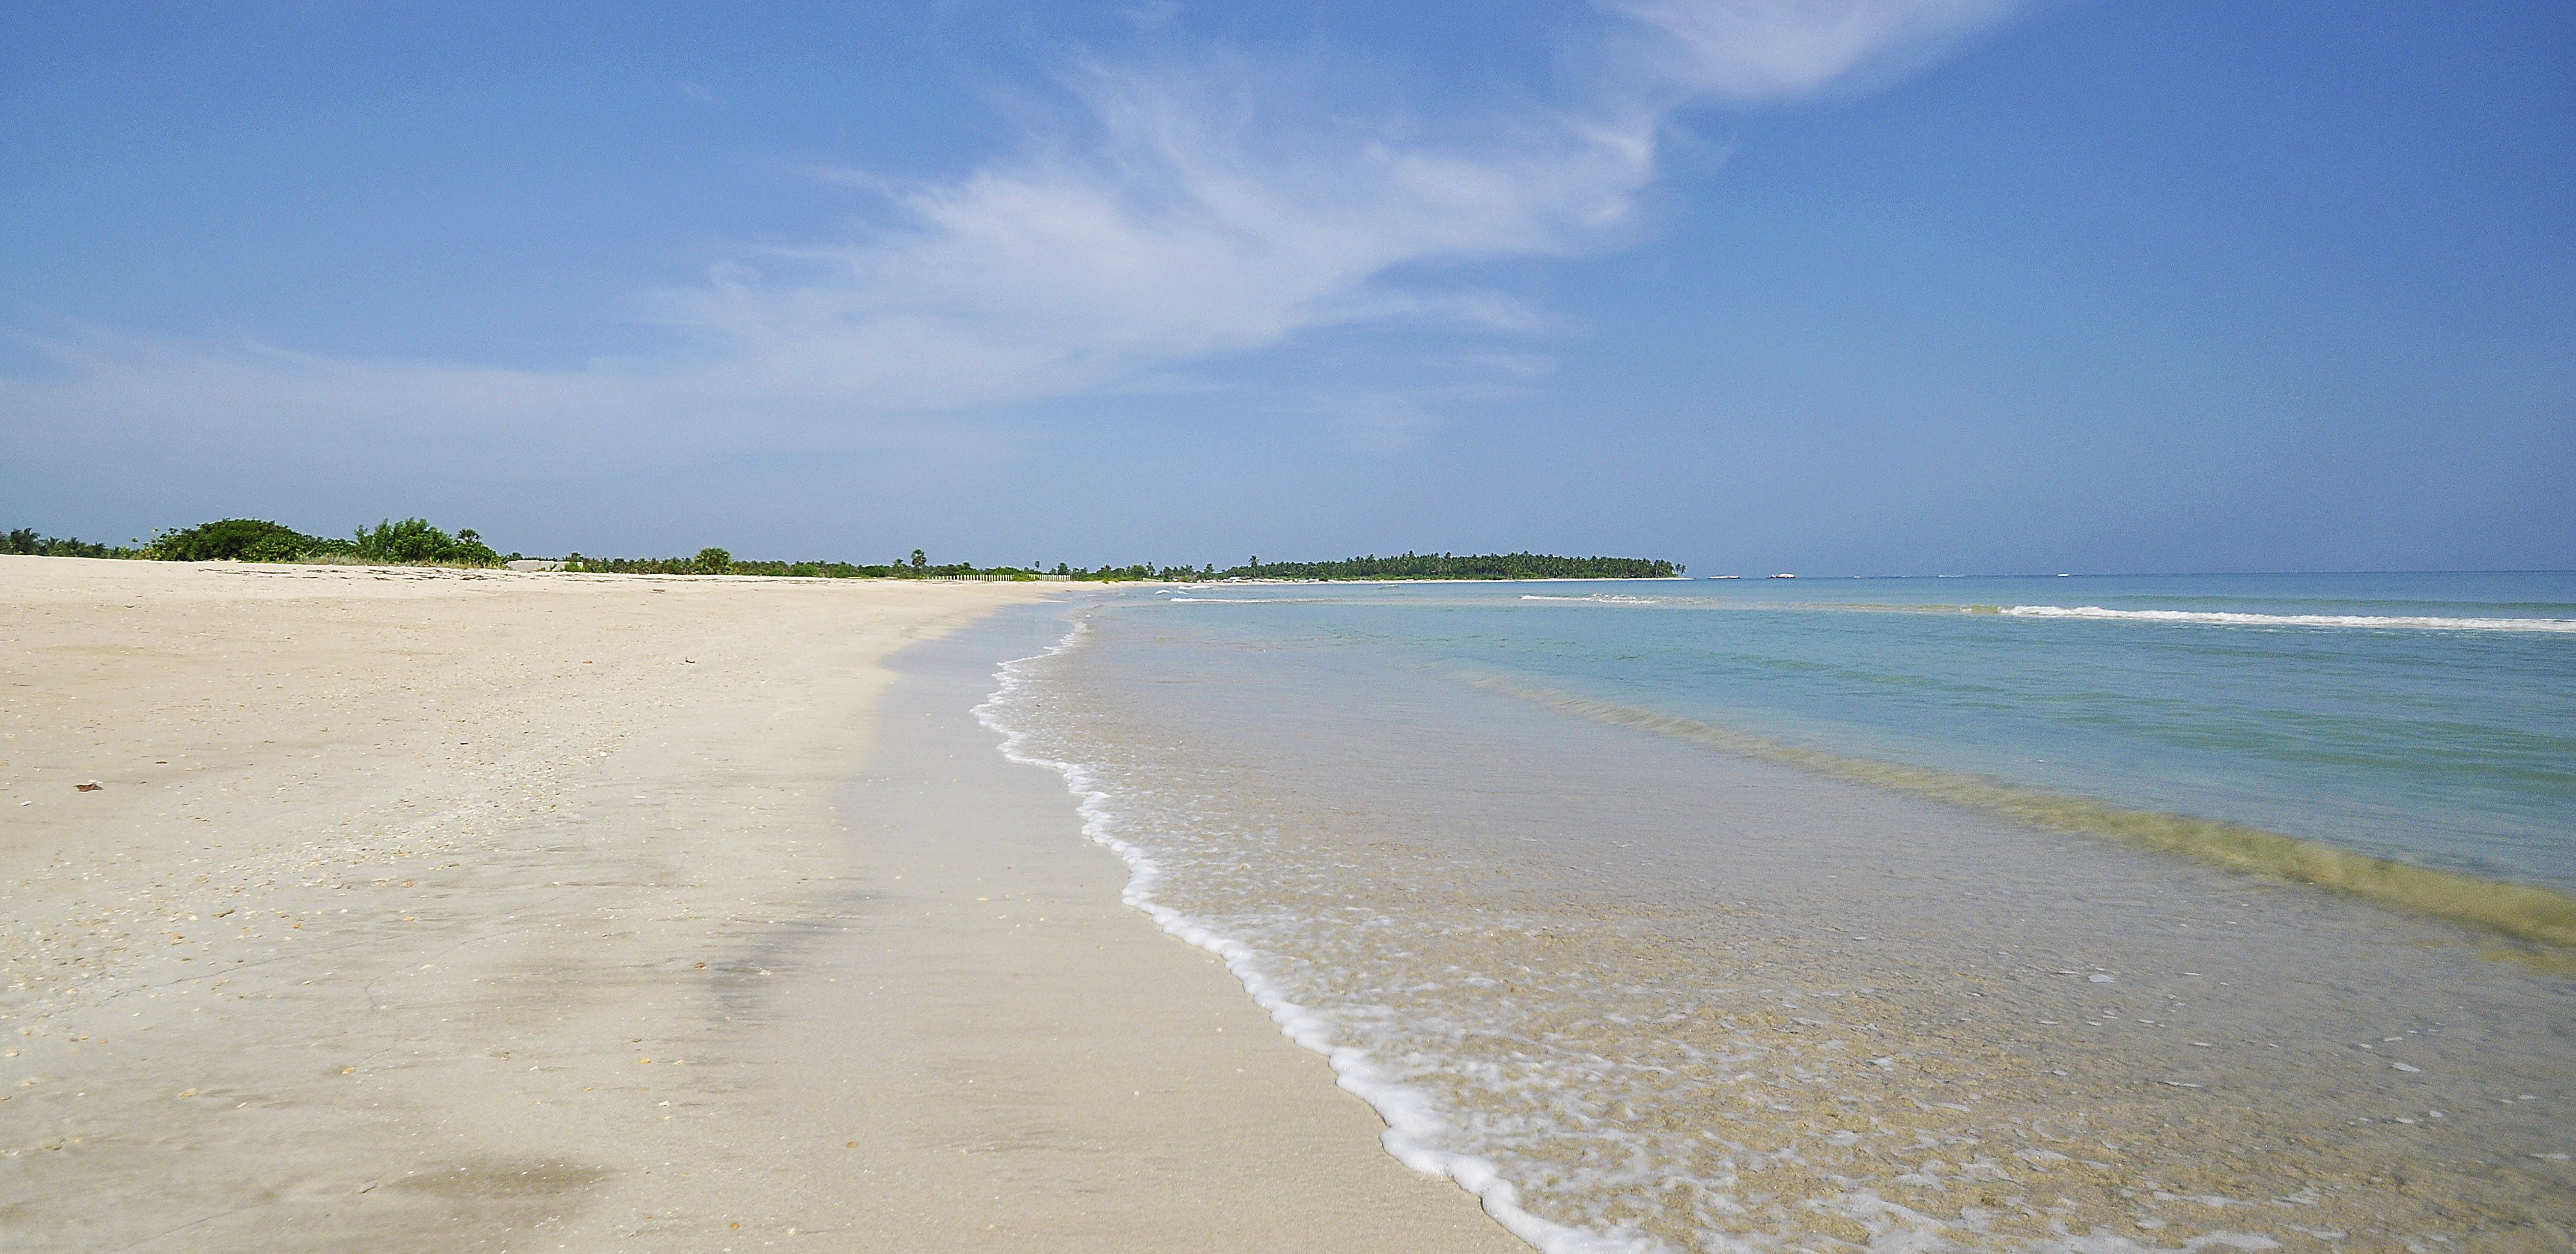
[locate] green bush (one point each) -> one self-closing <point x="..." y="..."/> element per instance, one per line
<point x="712" y="561"/>
<point x="413" y="542"/>
<point x="231" y="539"/>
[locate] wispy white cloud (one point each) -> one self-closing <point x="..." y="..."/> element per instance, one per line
<point x="1173" y="218"/>
<point x="1198" y="224"/>
<point x="1756" y="50"/>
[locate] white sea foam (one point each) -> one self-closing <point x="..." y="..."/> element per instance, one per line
<point x="2414" y="622"/>
<point x="1598" y="598"/>
<point x="1415" y="1127"/>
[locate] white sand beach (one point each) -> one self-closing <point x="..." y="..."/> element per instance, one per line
<point x="358" y="908"/>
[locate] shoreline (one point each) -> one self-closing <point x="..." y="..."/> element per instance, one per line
<point x="1668" y="994"/>
<point x="445" y="909"/>
<point x="1413" y="1130"/>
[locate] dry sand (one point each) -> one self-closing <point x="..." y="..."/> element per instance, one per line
<point x="430" y="910"/>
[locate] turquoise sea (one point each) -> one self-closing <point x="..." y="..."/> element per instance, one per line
<point x="2424" y="717"/>
<point x="1841" y="913"/>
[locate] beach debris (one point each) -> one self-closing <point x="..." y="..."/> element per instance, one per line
<point x="92" y="786"/>
<point x="2100" y="979"/>
<point x="2410" y="1070"/>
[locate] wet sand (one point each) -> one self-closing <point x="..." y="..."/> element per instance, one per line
<point x="439" y="910"/>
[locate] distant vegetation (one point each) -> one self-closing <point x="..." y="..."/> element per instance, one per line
<point x="411" y="542"/>
<point x="414" y="542"/>
<point x="1450" y="566"/>
<point x="1142" y="570"/>
<point x="25" y="542"/>
<point x="720" y="562"/>
<point x="231" y="539"/>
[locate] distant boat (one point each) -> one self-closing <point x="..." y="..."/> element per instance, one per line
<point x="1784" y="576"/>
<point x="1726" y="576"/>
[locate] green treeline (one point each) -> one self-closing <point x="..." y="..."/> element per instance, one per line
<point x="25" y="542"/>
<point x="414" y="542"/>
<point x="1141" y="570"/>
<point x="411" y="542"/>
<point x="1451" y="566"/>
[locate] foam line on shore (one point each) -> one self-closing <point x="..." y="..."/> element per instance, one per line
<point x="2523" y="911"/>
<point x="1414" y="1125"/>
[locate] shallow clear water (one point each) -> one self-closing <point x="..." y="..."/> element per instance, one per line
<point x="2450" y="745"/>
<point x="1643" y="991"/>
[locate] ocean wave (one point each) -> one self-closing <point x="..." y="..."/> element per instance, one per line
<point x="1598" y="598"/>
<point x="2233" y="619"/>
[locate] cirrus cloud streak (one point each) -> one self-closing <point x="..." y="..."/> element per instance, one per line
<point x="1170" y="220"/>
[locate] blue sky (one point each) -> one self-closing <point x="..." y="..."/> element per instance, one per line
<point x="1841" y="286"/>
